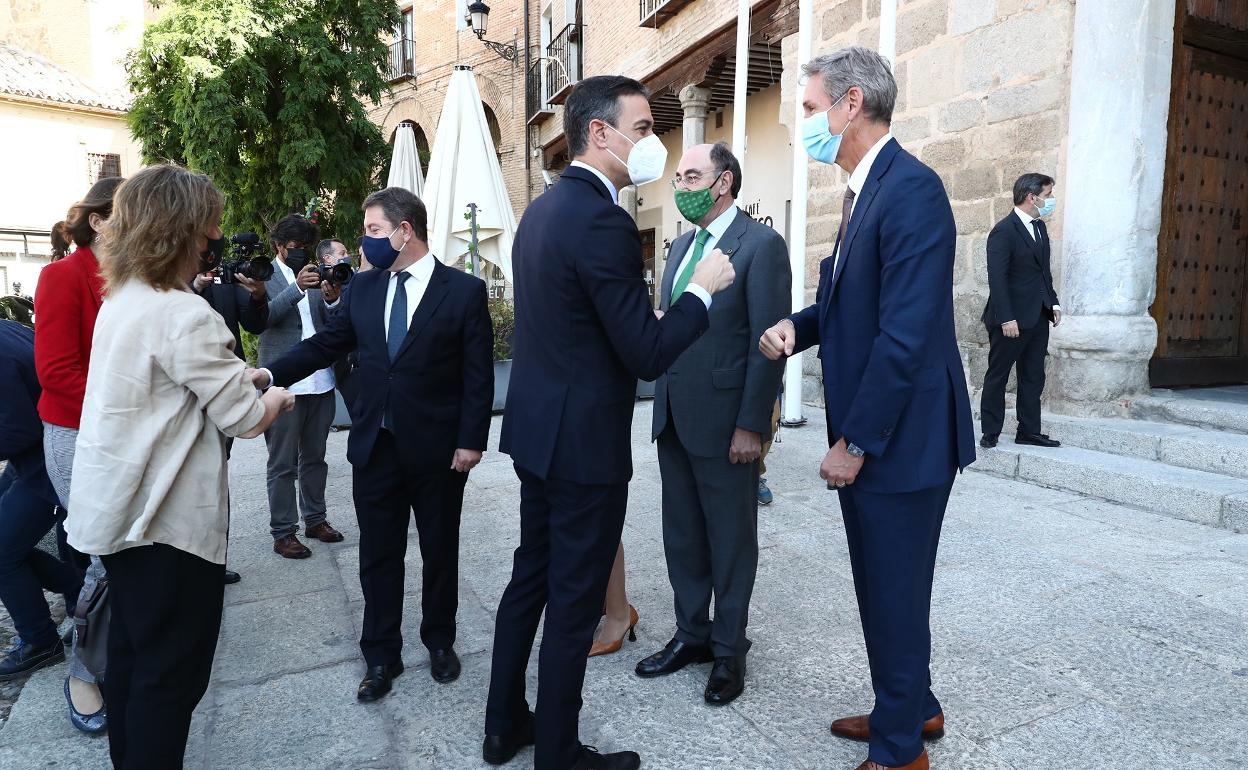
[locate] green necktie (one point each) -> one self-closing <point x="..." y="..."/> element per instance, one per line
<point x="682" y="281"/>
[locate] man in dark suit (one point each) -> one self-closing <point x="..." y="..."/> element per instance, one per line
<point x="899" y="418"/>
<point x="1021" y="305"/>
<point x="419" y="425"/>
<point x="712" y="413"/>
<point x="585" y="332"/>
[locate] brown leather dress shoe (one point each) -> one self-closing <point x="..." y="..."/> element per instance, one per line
<point x="920" y="763"/>
<point x="289" y="547"/>
<point x="323" y="532"/>
<point x="856" y="728"/>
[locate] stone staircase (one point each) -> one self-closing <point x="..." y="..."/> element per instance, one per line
<point x="1182" y="454"/>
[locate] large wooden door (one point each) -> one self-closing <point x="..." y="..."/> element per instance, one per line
<point x="1202" y="271"/>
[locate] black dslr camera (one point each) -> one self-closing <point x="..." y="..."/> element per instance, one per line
<point x="246" y="260"/>
<point x="339" y="274"/>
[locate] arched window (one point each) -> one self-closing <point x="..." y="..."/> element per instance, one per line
<point x="496" y="133"/>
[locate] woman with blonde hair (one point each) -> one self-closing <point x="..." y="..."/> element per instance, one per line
<point x="149" y="491"/>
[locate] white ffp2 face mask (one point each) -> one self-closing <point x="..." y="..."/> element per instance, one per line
<point x="647" y="160"/>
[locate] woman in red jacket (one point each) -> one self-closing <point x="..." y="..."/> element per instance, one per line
<point x="67" y="301"/>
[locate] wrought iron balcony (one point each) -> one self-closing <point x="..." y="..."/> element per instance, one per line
<point x="402" y="61"/>
<point x="536" y="108"/>
<point x="654" y="13"/>
<point x="563" y="63"/>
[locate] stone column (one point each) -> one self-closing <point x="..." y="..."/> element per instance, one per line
<point x="1111" y="202"/>
<point x="694" y="100"/>
<point x="628" y="201"/>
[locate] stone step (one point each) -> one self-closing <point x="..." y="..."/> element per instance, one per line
<point x="1215" y="408"/>
<point x="1193" y="495"/>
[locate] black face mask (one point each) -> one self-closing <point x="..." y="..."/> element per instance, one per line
<point x="210" y="258"/>
<point x="296" y="259"/>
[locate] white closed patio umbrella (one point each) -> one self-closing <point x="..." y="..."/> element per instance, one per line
<point x="464" y="170"/>
<point x="405" y="164"/>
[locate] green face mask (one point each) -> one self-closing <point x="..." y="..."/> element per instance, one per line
<point x="693" y="204"/>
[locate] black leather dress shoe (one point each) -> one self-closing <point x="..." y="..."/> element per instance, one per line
<point x="232" y="577"/>
<point x="672" y="658"/>
<point x="500" y="749"/>
<point x="22" y="658"/>
<point x="727" y="681"/>
<point x="590" y="759"/>
<point x="444" y="665"/>
<point x="376" y="682"/>
<point x="988" y="440"/>
<point x="1036" y="439"/>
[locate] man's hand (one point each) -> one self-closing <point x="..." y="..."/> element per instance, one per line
<point x="839" y="467"/>
<point x="260" y="378"/>
<point x="777" y="342"/>
<point x="747" y="446"/>
<point x="256" y="289"/>
<point x="332" y="291"/>
<point x="714" y="273"/>
<point x="308" y="277"/>
<point x="1057" y="317"/>
<point x="1010" y="328"/>
<point x="465" y="460"/>
<point x="202" y="281"/>
<point x="283" y="399"/>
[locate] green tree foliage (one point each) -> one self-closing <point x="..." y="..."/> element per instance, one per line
<point x="268" y="98"/>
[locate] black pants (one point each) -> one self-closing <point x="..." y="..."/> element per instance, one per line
<point x="1027" y="350"/>
<point x="710" y="540"/>
<point x="568" y="537"/>
<point x="166" y="614"/>
<point x="386" y="493"/>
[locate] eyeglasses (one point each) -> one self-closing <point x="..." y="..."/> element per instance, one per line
<point x="692" y="179"/>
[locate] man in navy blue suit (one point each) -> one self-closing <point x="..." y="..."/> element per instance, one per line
<point x="585" y="333"/>
<point x="899" y="417"/>
<point x="418" y="425"/>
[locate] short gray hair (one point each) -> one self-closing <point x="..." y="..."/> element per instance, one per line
<point x="862" y="67"/>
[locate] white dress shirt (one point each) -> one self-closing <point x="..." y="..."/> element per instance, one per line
<point x="716" y="228"/>
<point x="1027" y="220"/>
<point x="857" y="180"/>
<point x="419" y="273"/>
<point x="320" y="381"/>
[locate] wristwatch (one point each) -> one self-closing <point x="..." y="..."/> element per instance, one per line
<point x="854" y="449"/>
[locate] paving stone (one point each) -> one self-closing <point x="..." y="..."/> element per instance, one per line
<point x="285" y="634"/>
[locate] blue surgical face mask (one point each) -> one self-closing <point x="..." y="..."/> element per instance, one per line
<point x="1049" y="205"/>
<point x="821" y="144"/>
<point x="378" y="250"/>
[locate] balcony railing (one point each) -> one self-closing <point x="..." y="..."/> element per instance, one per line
<point x="536" y="108"/>
<point x="402" y="61"/>
<point x="654" y="13"/>
<point x="563" y="63"/>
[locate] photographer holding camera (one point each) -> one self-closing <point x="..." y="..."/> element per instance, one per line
<point x="296" y="440"/>
<point x="337" y="272"/>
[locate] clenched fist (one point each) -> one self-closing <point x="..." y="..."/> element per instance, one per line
<point x="777" y="342"/>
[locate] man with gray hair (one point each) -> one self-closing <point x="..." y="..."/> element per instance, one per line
<point x="899" y="416"/>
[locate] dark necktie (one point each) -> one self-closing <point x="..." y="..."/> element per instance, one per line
<point x="398" y="317"/>
<point x="847" y="210"/>
<point x="1035" y="227"/>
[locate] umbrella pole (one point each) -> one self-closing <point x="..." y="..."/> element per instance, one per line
<point x="472" y="249"/>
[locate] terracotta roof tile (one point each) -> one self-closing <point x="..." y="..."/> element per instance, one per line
<point x="25" y="74"/>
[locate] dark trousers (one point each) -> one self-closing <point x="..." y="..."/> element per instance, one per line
<point x="296" y="444"/>
<point x="26" y="570"/>
<point x="1027" y="350"/>
<point x="568" y="537"/>
<point x="386" y="494"/>
<point x="166" y="614"/>
<point x="710" y="539"/>
<point x="892" y="550"/>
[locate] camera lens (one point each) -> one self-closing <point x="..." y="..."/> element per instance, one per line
<point x="341" y="273"/>
<point x="259" y="269"/>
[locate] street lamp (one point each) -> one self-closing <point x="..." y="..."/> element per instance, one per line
<point x="478" y="19"/>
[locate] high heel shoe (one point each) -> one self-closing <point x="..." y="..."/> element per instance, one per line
<point x="606" y="648"/>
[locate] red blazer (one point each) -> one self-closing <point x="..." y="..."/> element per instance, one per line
<point x="67" y="301"/>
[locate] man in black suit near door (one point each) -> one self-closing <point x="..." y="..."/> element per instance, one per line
<point x="585" y="333"/>
<point x="1021" y="305"/>
<point x="418" y="425"/>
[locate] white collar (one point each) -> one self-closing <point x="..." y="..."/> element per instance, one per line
<point x="615" y="194"/>
<point x="286" y="271"/>
<point x="719" y="225"/>
<point x="863" y="169"/>
<point x="1027" y="218"/>
<point x="421" y="269"/>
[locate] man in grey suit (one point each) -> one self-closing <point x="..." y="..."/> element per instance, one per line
<point x="296" y="440"/>
<point x="712" y="412"/>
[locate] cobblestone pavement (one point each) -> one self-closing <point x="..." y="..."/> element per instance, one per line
<point x="1068" y="632"/>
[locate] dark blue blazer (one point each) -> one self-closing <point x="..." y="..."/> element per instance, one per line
<point x="892" y="376"/>
<point x="585" y="333"/>
<point x="21" y="430"/>
<point x="441" y="383"/>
